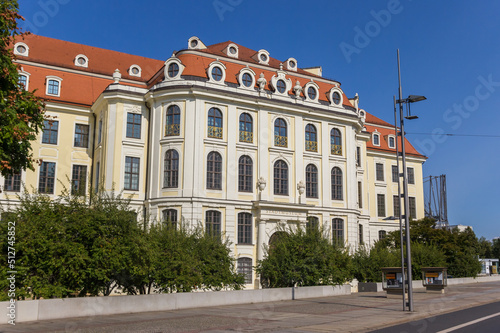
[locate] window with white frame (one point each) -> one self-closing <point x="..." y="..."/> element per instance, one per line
<point x="53" y="86"/>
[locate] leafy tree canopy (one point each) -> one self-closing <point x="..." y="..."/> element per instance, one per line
<point x="21" y="112"/>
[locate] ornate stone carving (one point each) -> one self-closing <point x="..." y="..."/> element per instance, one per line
<point x="261" y="82"/>
<point x="297" y="89"/>
<point x="261" y="184"/>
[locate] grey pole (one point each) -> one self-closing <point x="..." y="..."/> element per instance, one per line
<point x="399" y="202"/>
<point x="405" y="191"/>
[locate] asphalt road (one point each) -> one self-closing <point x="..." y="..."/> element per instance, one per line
<point x="479" y="319"/>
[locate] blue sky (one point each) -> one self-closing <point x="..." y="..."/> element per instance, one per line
<point x="450" y="53"/>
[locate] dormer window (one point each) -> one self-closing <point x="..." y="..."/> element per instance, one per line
<point x="246" y="78"/>
<point x="217" y="72"/>
<point x="311" y="91"/>
<point x="262" y="57"/>
<point x="335" y="97"/>
<point x="391" y="140"/>
<point x="231" y="50"/>
<point x="194" y="43"/>
<point x="173" y="68"/>
<point x="53" y="84"/>
<point x="81" y="61"/>
<point x="135" y="70"/>
<point x="291" y="64"/>
<point x="21" y="49"/>
<point x="376" y="139"/>
<point x="281" y="86"/>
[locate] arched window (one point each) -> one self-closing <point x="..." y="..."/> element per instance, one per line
<point x="245" y="268"/>
<point x="336" y="142"/>
<point x="338" y="231"/>
<point x="214" y="171"/>
<point x="280" y="134"/>
<point x="312" y="223"/>
<point x="382" y="234"/>
<point x="173" y="126"/>
<point x="311" y="181"/>
<point x="213" y="222"/>
<point x="245" y="174"/>
<point x="244" y="228"/>
<point x="311" y="138"/>
<point x="246" y="130"/>
<point x="280" y="178"/>
<point x="171" y="169"/>
<point x="336" y="184"/>
<point x="170" y="218"/>
<point x="214" y="123"/>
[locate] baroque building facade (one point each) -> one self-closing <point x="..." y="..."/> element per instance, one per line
<point x="219" y="136"/>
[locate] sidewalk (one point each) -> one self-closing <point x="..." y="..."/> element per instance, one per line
<point x="360" y="312"/>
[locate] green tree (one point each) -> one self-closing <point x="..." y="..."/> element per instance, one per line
<point x="21" y="112"/>
<point x="300" y="258"/>
<point x="460" y="248"/>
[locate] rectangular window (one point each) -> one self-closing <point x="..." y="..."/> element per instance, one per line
<point x="379" y="168"/>
<point x="97" y="176"/>
<point x="360" y="195"/>
<point x="131" y="173"/>
<point x="81" y="136"/>
<point x="53" y="88"/>
<point x="133" y="125"/>
<point x="360" y="234"/>
<point x="413" y="207"/>
<point x="50" y="129"/>
<point x="395" y="174"/>
<point x="411" y="175"/>
<point x="396" y="203"/>
<point x="12" y="182"/>
<point x="244" y="228"/>
<point x="47" y="178"/>
<point x="79" y="179"/>
<point x="381" y="205"/>
<point x="358" y="156"/>
<point x="338" y="231"/>
<point x="245" y="268"/>
<point x="99" y="133"/>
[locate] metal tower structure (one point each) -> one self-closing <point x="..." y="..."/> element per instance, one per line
<point x="435" y="204"/>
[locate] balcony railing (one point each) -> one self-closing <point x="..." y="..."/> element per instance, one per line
<point x="311" y="146"/>
<point x="215" y="132"/>
<point x="280" y="141"/>
<point x="171" y="130"/>
<point x="246" y="136"/>
<point x="336" y="149"/>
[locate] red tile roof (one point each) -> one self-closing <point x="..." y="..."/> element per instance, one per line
<point x="384" y="141"/>
<point x="101" y="61"/>
<point x="197" y="66"/>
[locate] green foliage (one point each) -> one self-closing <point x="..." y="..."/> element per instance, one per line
<point x="21" y="112"/>
<point x="367" y="262"/>
<point x="304" y="258"/>
<point x="460" y="248"/>
<point x="77" y="246"/>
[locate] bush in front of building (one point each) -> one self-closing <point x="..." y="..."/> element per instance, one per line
<point x="87" y="246"/>
<point x="304" y="258"/>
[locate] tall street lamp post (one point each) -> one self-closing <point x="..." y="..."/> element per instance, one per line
<point x="406" y="216"/>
